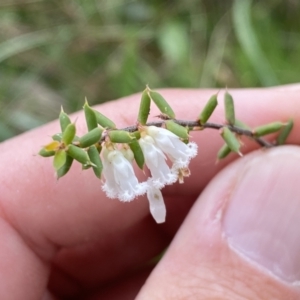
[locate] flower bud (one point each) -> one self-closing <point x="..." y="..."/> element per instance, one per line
<point x="161" y="104"/>
<point x="90" y="116"/>
<point x="144" y="108"/>
<point x="120" y="136"/>
<point x="69" y="134"/>
<point x="90" y="138"/>
<point x="231" y="140"/>
<point x="208" y="109"/>
<point x="96" y="160"/>
<point x="229" y="109"/>
<point x="64" y="120"/>
<point x="268" y="128"/>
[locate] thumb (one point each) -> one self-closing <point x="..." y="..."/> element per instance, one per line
<point x="241" y="239"/>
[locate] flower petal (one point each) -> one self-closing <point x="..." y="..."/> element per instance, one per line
<point x="157" y="204"/>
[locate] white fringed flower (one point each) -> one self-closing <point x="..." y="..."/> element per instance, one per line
<point x="157" y="145"/>
<point x="120" y="180"/>
<point x="177" y="151"/>
<point x="156" y="162"/>
<point x="157" y="205"/>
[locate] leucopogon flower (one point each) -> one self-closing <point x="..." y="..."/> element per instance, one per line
<point x="156" y="162"/>
<point x="120" y="180"/>
<point x="158" y="145"/>
<point x="176" y="150"/>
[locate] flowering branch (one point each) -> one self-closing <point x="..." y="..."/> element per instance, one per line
<point x="162" y="146"/>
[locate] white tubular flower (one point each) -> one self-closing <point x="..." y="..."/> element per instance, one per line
<point x="178" y="152"/>
<point x="156" y="162"/>
<point x="157" y="205"/>
<point x="120" y="180"/>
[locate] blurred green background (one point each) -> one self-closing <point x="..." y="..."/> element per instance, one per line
<point x="56" y="52"/>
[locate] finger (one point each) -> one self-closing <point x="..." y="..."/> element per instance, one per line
<point x="241" y="238"/>
<point x="125" y="289"/>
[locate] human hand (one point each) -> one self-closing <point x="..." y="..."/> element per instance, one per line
<point x="66" y="240"/>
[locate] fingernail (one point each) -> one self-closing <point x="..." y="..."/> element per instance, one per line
<point x="262" y="217"/>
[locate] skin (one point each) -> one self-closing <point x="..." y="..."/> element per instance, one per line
<point x="65" y="240"/>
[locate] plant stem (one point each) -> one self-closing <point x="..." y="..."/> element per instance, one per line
<point x="194" y="125"/>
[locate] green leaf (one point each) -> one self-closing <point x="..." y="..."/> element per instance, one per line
<point x="162" y="104"/>
<point x="79" y="154"/>
<point x="59" y="159"/>
<point x="90" y="116"/>
<point x="120" y="136"/>
<point x="64" y="120"/>
<point x="45" y="153"/>
<point x="177" y="129"/>
<point x="52" y="146"/>
<point x="208" y="109"/>
<point x="138" y="153"/>
<point x="65" y="168"/>
<point x="69" y="134"/>
<point x="144" y="108"/>
<point x="57" y="137"/>
<point x="229" y="109"/>
<point x="223" y="152"/>
<point x="284" y="133"/>
<point x="231" y="140"/>
<point x="96" y="160"/>
<point x="241" y="125"/>
<point x="267" y="129"/>
<point x="104" y="121"/>
<point x="90" y="138"/>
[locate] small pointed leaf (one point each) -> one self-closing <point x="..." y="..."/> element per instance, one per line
<point x="79" y="154"/>
<point x="162" y="104"/>
<point x="120" y="136"/>
<point x="138" y="153"/>
<point x="177" y="129"/>
<point x="64" y="120"/>
<point x="104" y="121"/>
<point x="59" y="159"/>
<point x="69" y="134"/>
<point x="90" y="138"/>
<point x="231" y="140"/>
<point x="65" y="168"/>
<point x="229" y="109"/>
<point x="241" y="125"/>
<point x="96" y="160"/>
<point x="208" y="109"/>
<point x="90" y="116"/>
<point x="284" y="133"/>
<point x="53" y="146"/>
<point x="268" y="128"/>
<point x="223" y="152"/>
<point x="144" y="108"/>
<point x="57" y="137"/>
<point x="45" y="153"/>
